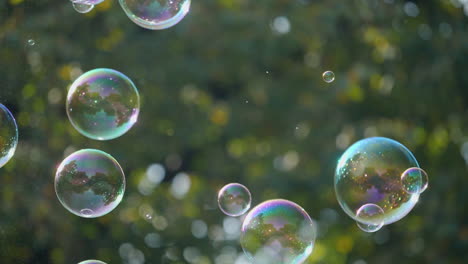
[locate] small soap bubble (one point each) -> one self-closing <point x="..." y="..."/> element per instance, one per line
<point x="328" y="76"/>
<point x="414" y="180"/>
<point x="369" y="172"/>
<point x="82" y="8"/>
<point x="89" y="183"/>
<point x="103" y="104"/>
<point x="92" y="261"/>
<point x="278" y="231"/>
<point x="370" y="218"/>
<point x="31" y="42"/>
<point x="156" y="14"/>
<point x="234" y="199"/>
<point x="87" y="2"/>
<point x="8" y="135"/>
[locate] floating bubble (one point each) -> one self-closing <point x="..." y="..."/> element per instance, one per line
<point x="369" y="171"/>
<point x="278" y="232"/>
<point x="328" y="76"/>
<point x="82" y="8"/>
<point x="8" y="135"/>
<point x="370" y="218"/>
<point x="156" y="14"/>
<point x="414" y="180"/>
<point x="234" y="199"/>
<point x="89" y="183"/>
<point x="92" y="261"/>
<point x="103" y="104"/>
<point x="87" y="2"/>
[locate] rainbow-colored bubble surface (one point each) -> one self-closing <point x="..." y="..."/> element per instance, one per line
<point x="156" y="14"/>
<point x="278" y="232"/>
<point x="103" y="104"/>
<point x="369" y="172"/>
<point x="89" y="183"/>
<point x="234" y="199"/>
<point x="92" y="261"/>
<point x="8" y="135"/>
<point x="414" y="180"/>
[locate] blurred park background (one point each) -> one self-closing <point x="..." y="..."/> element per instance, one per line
<point x="234" y="93"/>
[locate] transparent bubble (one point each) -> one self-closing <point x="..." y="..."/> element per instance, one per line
<point x="103" y="104"/>
<point x="87" y="2"/>
<point x="156" y="14"/>
<point x="414" y="180"/>
<point x="8" y="135"/>
<point x="370" y="218"/>
<point x="328" y="76"/>
<point x="369" y="171"/>
<point x="82" y="8"/>
<point x="92" y="261"/>
<point x="278" y="232"/>
<point x="234" y="199"/>
<point x="89" y="183"/>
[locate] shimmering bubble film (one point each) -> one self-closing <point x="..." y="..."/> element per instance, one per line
<point x="370" y="171"/>
<point x="414" y="180"/>
<point x="328" y="76"/>
<point x="371" y="216"/>
<point x="103" y="104"/>
<point x="156" y="14"/>
<point x="87" y="2"/>
<point x="89" y="183"/>
<point x="8" y="135"/>
<point x="234" y="199"/>
<point x="82" y="8"/>
<point x="278" y="232"/>
<point x="92" y="261"/>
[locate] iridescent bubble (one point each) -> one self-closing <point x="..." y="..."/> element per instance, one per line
<point x="234" y="199"/>
<point x="414" y="180"/>
<point x="369" y="172"/>
<point x="103" y="104"/>
<point x="89" y="183"/>
<point x="82" y="8"/>
<point x="156" y="14"/>
<point x="370" y="218"/>
<point x="328" y="76"/>
<point x="278" y="232"/>
<point x="87" y="2"/>
<point x="92" y="261"/>
<point x="8" y="135"/>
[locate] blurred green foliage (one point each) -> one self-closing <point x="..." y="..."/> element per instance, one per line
<point x="231" y="94"/>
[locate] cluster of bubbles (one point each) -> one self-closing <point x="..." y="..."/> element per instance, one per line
<point x="8" y="135"/>
<point x="149" y="14"/>
<point x="276" y="231"/>
<point x="378" y="181"/>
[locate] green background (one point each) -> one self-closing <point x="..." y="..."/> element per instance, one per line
<point x="227" y="98"/>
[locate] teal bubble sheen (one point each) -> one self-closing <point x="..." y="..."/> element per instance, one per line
<point x="103" y="104"/>
<point x="8" y="135"/>
<point x="89" y="183"/>
<point x="369" y="172"/>
<point x="278" y="232"/>
<point x="156" y="14"/>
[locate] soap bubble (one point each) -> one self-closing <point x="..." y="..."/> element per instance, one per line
<point x="87" y="2"/>
<point x="328" y="76"/>
<point x="103" y="104"/>
<point x="370" y="218"/>
<point x="156" y="14"/>
<point x="414" y="180"/>
<point x="234" y="199"/>
<point x="92" y="261"/>
<point x="369" y="171"/>
<point x="82" y="8"/>
<point x="277" y="232"/>
<point x="8" y="135"/>
<point x="89" y="183"/>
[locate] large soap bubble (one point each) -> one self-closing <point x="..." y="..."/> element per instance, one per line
<point x="89" y="183"/>
<point x="103" y="104"/>
<point x="156" y="14"/>
<point x="369" y="172"/>
<point x="8" y="135"/>
<point x="278" y="232"/>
